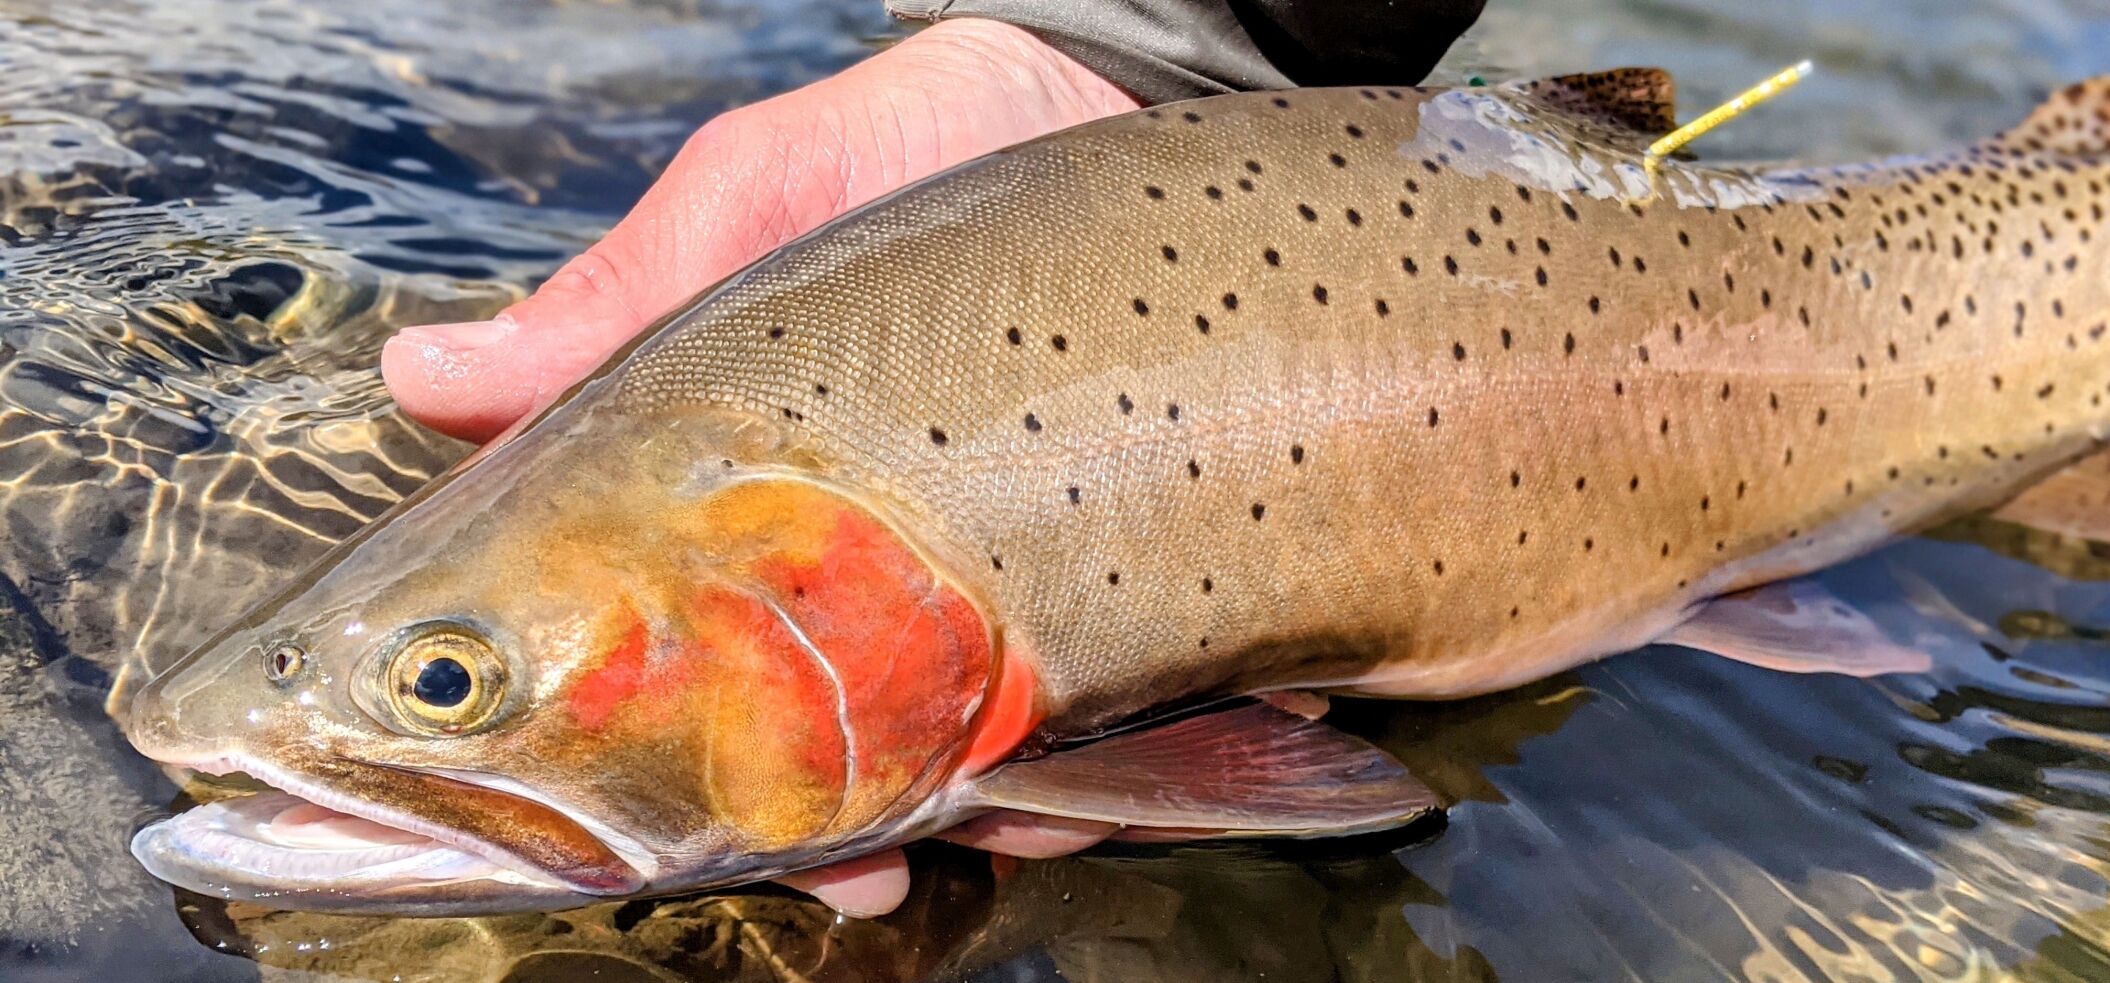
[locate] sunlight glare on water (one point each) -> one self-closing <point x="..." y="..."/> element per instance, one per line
<point x="212" y="212"/>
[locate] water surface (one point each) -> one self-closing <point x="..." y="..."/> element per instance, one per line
<point x="213" y="211"/>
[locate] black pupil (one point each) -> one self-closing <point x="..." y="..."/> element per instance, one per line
<point x="442" y="683"/>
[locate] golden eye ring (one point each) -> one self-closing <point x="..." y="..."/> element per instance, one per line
<point x="444" y="680"/>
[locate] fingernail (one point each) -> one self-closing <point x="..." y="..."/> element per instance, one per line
<point x="461" y="336"/>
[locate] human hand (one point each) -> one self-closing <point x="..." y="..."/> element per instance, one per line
<point x="747" y="182"/>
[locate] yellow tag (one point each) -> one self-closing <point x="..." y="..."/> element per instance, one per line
<point x="1670" y="142"/>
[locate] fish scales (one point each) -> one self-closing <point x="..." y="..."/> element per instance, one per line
<point x="1378" y="389"/>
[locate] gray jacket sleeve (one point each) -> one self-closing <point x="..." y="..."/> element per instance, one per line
<point x="1164" y="50"/>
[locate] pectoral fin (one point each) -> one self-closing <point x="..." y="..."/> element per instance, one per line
<point x="1253" y="770"/>
<point x="1794" y="626"/>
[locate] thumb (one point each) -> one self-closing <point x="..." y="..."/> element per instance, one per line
<point x="747" y="182"/>
<point x="473" y="379"/>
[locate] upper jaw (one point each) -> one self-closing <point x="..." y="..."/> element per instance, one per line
<point x="309" y="846"/>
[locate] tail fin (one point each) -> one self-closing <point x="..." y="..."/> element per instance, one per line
<point x="2075" y="121"/>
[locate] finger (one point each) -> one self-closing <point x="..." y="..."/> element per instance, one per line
<point x="1023" y="834"/>
<point x="746" y="183"/>
<point x="1303" y="703"/>
<point x="861" y="887"/>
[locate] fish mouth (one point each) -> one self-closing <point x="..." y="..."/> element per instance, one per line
<point x="304" y="844"/>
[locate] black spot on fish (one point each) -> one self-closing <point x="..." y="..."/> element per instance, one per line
<point x="1032" y="423"/>
<point x="938" y="437"/>
<point x="1259" y="510"/>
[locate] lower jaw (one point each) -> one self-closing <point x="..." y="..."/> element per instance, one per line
<point x="252" y="841"/>
<point x="280" y="850"/>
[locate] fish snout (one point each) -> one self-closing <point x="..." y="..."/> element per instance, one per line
<point x="151" y="727"/>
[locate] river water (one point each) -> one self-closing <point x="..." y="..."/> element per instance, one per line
<point x="213" y="211"/>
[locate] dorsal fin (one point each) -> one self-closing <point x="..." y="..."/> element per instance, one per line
<point x="1641" y="99"/>
<point x="2074" y="121"/>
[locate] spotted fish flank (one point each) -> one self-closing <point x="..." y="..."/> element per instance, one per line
<point x="1398" y="392"/>
<point x="1444" y="299"/>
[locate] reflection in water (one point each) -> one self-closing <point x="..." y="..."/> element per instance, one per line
<point x="211" y="211"/>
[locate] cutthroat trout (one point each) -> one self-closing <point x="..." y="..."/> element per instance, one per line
<point x="1392" y="392"/>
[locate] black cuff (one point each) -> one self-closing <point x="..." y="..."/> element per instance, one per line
<point x="1165" y="50"/>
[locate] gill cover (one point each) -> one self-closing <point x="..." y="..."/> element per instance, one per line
<point x="827" y="673"/>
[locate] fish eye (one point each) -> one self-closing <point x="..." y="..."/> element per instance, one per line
<point x="445" y="679"/>
<point x="283" y="661"/>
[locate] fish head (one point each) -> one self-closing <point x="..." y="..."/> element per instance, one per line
<point x="635" y="666"/>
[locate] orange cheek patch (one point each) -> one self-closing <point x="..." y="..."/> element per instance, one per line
<point x="733" y="701"/>
<point x="913" y="653"/>
<point x="777" y="757"/>
<point x="597" y="694"/>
